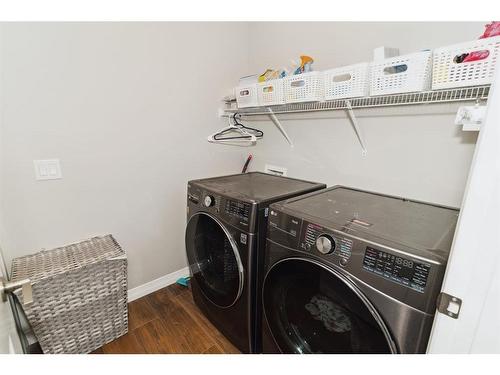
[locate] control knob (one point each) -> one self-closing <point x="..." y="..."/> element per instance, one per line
<point x="325" y="244"/>
<point x="209" y="201"/>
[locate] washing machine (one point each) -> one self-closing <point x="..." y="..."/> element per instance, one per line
<point x="225" y="240"/>
<point x="350" y="271"/>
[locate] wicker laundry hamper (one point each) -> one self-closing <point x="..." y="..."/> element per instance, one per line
<point x="79" y="294"/>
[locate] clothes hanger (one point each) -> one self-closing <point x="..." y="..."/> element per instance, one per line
<point x="232" y="134"/>
<point x="258" y="133"/>
<point x="236" y="133"/>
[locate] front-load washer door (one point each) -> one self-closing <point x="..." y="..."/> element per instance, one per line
<point x="214" y="259"/>
<point x="310" y="308"/>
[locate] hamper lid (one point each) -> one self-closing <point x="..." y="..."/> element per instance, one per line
<point x="47" y="263"/>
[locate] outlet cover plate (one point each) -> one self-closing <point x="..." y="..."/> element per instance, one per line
<point x="275" y="170"/>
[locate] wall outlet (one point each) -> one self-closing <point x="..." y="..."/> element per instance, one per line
<point x="275" y="170"/>
<point x="49" y="169"/>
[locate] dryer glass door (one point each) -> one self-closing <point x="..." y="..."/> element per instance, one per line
<point x="214" y="259"/>
<point x="312" y="309"/>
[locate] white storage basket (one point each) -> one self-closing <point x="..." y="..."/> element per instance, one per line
<point x="270" y="92"/>
<point x="246" y="96"/>
<point x="400" y="74"/>
<point x="446" y="73"/>
<point x="305" y="87"/>
<point x="347" y="82"/>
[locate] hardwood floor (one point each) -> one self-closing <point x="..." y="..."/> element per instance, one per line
<point x="168" y="321"/>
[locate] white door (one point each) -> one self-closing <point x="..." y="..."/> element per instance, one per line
<point x="9" y="339"/>
<point x="473" y="272"/>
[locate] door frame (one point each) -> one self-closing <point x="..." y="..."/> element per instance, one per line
<point x="10" y="342"/>
<point x="473" y="269"/>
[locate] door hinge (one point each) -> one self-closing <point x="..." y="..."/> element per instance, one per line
<point x="449" y="305"/>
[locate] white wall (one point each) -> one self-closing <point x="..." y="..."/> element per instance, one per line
<point x="126" y="108"/>
<point x="415" y="152"/>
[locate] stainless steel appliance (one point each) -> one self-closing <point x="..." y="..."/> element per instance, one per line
<point x="349" y="271"/>
<point x="225" y="241"/>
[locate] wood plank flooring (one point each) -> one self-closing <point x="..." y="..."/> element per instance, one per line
<point x="168" y="321"/>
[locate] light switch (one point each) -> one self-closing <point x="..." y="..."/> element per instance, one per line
<point x="49" y="169"/>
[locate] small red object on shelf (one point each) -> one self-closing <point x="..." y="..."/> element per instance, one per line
<point x="492" y="29"/>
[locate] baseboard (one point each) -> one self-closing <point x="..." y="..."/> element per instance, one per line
<point x="154" y="285"/>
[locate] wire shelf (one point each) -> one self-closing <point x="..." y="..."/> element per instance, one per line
<point x="425" y="97"/>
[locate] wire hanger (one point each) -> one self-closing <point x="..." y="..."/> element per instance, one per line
<point x="258" y="133"/>
<point x="236" y="133"/>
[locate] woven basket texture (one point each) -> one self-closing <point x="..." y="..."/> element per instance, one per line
<point x="79" y="295"/>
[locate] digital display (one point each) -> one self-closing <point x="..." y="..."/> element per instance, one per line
<point x="397" y="269"/>
<point x="239" y="209"/>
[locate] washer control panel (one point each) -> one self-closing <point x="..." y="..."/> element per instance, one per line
<point x="232" y="211"/>
<point x="396" y="273"/>
<point x="284" y="229"/>
<point x="318" y="239"/>
<point x="240" y="210"/>
<point x="209" y="201"/>
<point x="325" y="244"/>
<point x="397" y="269"/>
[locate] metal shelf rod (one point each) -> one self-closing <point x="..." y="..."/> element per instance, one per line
<point x="477" y="93"/>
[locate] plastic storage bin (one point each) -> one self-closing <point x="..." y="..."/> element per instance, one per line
<point x="407" y="73"/>
<point x="79" y="295"/>
<point x="270" y="92"/>
<point x="306" y="87"/>
<point x="246" y="96"/>
<point x="347" y="82"/>
<point x="449" y="72"/>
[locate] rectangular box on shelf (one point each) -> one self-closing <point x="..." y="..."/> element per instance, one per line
<point x="382" y="53"/>
<point x="305" y="87"/>
<point x="270" y="92"/>
<point x="401" y="74"/>
<point x="347" y="82"/>
<point x="246" y="96"/>
<point x="465" y="64"/>
<point x="248" y="80"/>
<point x="79" y="295"/>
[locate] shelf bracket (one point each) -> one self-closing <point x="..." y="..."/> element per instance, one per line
<point x="355" y="126"/>
<point x="276" y="122"/>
